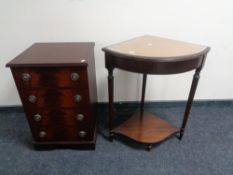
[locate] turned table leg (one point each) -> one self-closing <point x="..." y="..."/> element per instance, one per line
<point x="190" y="101"/>
<point x="143" y="94"/>
<point x="110" y="106"/>
<point x="149" y="147"/>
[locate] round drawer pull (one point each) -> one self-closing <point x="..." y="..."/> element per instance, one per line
<point x="74" y="76"/>
<point x="77" y="98"/>
<point x="82" y="134"/>
<point x="80" y="117"/>
<point x="32" y="98"/>
<point x="26" y="77"/>
<point x="37" y="117"/>
<point x="42" y="134"/>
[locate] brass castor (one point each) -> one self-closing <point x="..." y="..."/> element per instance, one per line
<point x="180" y="136"/>
<point x="111" y="137"/>
<point x="149" y="147"/>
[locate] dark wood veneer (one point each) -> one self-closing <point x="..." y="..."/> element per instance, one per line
<point x="51" y="77"/>
<point x="64" y="133"/>
<point x="52" y="113"/>
<point x="152" y="66"/>
<point x="54" y="55"/>
<point x="61" y="116"/>
<point x="64" y="98"/>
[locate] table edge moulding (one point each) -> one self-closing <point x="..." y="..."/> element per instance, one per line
<point x="159" y="56"/>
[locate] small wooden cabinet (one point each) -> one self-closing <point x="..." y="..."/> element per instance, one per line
<point x="57" y="86"/>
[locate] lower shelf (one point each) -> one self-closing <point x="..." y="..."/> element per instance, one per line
<point x="147" y="129"/>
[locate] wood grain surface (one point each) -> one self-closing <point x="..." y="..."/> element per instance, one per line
<point x="45" y="72"/>
<point x="146" y="129"/>
<point x="54" y="54"/>
<point x="156" y="47"/>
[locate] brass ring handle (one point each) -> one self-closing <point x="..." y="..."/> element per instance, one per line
<point x="26" y="77"/>
<point x="32" y="98"/>
<point x="37" y="117"/>
<point x="42" y="134"/>
<point x="80" y="117"/>
<point x="74" y="76"/>
<point x="77" y="98"/>
<point x="82" y="134"/>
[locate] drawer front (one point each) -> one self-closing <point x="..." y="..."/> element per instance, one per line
<point x="58" y="117"/>
<point x="59" y="98"/>
<point x="64" y="133"/>
<point x="34" y="77"/>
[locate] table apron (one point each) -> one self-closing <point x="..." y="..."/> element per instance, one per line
<point x="153" y="67"/>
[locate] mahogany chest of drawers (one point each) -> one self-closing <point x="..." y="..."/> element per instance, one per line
<point x="57" y="86"/>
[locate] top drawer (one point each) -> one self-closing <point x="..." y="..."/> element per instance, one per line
<point x="34" y="77"/>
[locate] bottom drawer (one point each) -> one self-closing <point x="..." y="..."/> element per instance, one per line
<point x="64" y="133"/>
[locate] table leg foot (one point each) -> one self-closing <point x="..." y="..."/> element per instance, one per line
<point x="149" y="147"/>
<point x="111" y="137"/>
<point x="180" y="136"/>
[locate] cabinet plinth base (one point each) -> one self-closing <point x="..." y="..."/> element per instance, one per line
<point x="146" y="129"/>
<point x="71" y="145"/>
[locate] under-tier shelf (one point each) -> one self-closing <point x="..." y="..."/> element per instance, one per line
<point x="147" y="129"/>
<point x="156" y="56"/>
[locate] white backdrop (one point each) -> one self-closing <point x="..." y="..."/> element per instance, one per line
<point x="105" y="22"/>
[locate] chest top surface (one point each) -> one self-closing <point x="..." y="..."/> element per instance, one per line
<point x="54" y="54"/>
<point x="157" y="48"/>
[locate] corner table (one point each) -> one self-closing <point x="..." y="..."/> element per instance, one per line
<point x="152" y="55"/>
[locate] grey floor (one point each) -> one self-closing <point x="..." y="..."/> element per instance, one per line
<point x="207" y="148"/>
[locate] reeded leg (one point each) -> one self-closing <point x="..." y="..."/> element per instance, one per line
<point x="143" y="94"/>
<point x="110" y="106"/>
<point x="190" y="101"/>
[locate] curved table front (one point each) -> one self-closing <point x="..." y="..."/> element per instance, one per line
<point x="152" y="55"/>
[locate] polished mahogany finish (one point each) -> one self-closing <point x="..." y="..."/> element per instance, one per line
<point x="57" y="86"/>
<point x="144" y="126"/>
<point x="49" y="97"/>
<point x="152" y="55"/>
<point x="63" y="116"/>
<point x="51" y="77"/>
<point x="54" y="54"/>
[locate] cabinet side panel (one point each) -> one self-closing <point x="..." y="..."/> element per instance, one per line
<point x="92" y="80"/>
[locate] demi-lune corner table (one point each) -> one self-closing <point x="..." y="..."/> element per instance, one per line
<point x="159" y="56"/>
